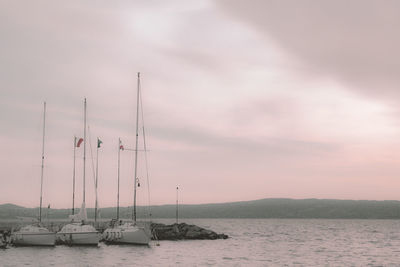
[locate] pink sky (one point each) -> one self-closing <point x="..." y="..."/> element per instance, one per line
<point x="242" y="100"/>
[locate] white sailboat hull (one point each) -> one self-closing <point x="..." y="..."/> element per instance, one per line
<point x="81" y="238"/>
<point x="122" y="235"/>
<point x="34" y="239"/>
<point x="138" y="237"/>
<point x="79" y="234"/>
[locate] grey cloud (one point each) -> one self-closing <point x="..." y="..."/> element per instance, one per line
<point x="354" y="41"/>
<point x="272" y="147"/>
<point x="62" y="51"/>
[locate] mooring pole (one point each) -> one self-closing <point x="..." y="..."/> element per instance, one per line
<point x="177" y="189"/>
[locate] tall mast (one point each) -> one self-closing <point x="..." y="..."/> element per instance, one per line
<point x="136" y="146"/>
<point x="97" y="177"/>
<point x="84" y="151"/>
<point x="73" y="180"/>
<point x="119" y="151"/>
<point x="41" y="175"/>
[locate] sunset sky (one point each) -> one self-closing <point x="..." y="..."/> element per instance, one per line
<point x="242" y="99"/>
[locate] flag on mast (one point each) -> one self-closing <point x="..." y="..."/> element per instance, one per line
<point x="99" y="142"/>
<point x="78" y="144"/>
<point x="121" y="146"/>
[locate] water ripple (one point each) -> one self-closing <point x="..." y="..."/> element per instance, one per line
<point x="252" y="242"/>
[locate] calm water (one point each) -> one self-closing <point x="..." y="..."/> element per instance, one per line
<point x="252" y="242"/>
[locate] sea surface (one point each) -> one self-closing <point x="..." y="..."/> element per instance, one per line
<point x="252" y="242"/>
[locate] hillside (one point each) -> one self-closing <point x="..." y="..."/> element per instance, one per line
<point x="263" y="208"/>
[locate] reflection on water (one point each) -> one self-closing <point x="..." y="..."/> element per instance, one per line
<point x="256" y="242"/>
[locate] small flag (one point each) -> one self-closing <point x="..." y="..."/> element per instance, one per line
<point x="99" y="142"/>
<point x="121" y="146"/>
<point x="79" y="142"/>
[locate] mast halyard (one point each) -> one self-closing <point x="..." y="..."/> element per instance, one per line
<point x="136" y="146"/>
<point x="41" y="174"/>
<point x="145" y="158"/>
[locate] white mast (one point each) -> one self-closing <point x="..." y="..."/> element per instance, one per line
<point x="41" y="175"/>
<point x="136" y="146"/>
<point x="73" y="180"/>
<point x="84" y="152"/>
<point x="119" y="152"/>
<point x="97" y="176"/>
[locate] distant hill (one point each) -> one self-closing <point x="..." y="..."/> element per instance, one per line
<point x="263" y="208"/>
<point x="11" y="211"/>
<point x="10" y="206"/>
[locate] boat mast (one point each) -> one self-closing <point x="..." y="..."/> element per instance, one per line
<point x="136" y="146"/>
<point x="84" y="151"/>
<point x="73" y="180"/>
<point x="41" y="175"/>
<point x="97" y="176"/>
<point x="119" y="151"/>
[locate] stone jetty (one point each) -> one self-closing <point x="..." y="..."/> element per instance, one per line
<point x="4" y="238"/>
<point x="183" y="231"/>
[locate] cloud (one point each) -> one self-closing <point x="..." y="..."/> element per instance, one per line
<point x="355" y="42"/>
<point x="224" y="104"/>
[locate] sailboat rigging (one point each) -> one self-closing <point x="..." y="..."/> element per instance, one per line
<point x="73" y="180"/>
<point x="36" y="235"/>
<point x="120" y="147"/>
<point x="129" y="232"/>
<point x="78" y="232"/>
<point x="42" y="166"/>
<point x="136" y="149"/>
<point x="99" y="142"/>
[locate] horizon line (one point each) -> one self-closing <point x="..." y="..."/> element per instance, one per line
<point x="209" y="203"/>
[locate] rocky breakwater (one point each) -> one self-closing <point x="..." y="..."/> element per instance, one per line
<point x="4" y="238"/>
<point x="183" y="231"/>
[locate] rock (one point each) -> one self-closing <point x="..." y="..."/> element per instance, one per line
<point x="183" y="231"/>
<point x="222" y="236"/>
<point x="192" y="235"/>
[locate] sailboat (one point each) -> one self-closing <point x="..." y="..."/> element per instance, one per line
<point x="78" y="232"/>
<point x="128" y="232"/>
<point x="36" y="234"/>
